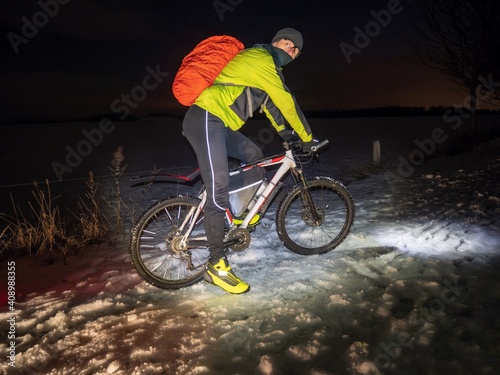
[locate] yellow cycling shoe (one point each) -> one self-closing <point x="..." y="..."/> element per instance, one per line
<point x="255" y="220"/>
<point x="221" y="275"/>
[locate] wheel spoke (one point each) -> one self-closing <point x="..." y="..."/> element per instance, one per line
<point x="156" y="248"/>
<point x="307" y="232"/>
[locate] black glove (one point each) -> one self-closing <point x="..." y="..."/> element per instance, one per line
<point x="306" y="146"/>
<point x="288" y="135"/>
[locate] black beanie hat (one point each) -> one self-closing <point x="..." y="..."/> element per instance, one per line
<point x="291" y="34"/>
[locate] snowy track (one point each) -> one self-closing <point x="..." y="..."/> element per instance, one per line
<point x="414" y="289"/>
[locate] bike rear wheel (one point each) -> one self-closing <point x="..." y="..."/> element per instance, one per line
<point x="308" y="233"/>
<point x="157" y="250"/>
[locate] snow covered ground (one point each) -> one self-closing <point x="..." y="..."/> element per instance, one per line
<point x="414" y="289"/>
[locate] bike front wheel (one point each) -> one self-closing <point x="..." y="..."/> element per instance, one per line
<point x="316" y="220"/>
<point x="158" y="249"/>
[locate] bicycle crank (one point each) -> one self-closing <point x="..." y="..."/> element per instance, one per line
<point x="238" y="239"/>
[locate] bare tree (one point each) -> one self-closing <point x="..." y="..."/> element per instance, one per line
<point x="461" y="39"/>
<point x="492" y="59"/>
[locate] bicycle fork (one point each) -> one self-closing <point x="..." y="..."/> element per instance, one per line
<point x="309" y="213"/>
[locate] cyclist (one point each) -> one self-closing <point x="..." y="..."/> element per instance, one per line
<point x="252" y="78"/>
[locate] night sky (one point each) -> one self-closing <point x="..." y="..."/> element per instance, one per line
<point x="76" y="58"/>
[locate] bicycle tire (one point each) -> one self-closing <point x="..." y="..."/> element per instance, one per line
<point x="152" y="249"/>
<point x="332" y="202"/>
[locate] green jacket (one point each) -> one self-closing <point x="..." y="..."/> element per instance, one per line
<point x="244" y="84"/>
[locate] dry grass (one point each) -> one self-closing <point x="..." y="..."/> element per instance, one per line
<point x="117" y="169"/>
<point x="91" y="219"/>
<point x="44" y="233"/>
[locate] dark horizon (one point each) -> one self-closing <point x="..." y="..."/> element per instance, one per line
<point x="65" y="59"/>
<point x="386" y="111"/>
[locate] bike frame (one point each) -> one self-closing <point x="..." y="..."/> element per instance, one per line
<point x="286" y="161"/>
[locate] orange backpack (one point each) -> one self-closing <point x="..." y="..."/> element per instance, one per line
<point x="202" y="65"/>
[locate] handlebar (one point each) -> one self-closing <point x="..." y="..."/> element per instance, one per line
<point x="320" y="145"/>
<point x="297" y="144"/>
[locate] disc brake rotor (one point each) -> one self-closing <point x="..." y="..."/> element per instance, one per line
<point x="309" y="220"/>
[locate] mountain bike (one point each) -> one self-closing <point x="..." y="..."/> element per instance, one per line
<point x="168" y="245"/>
